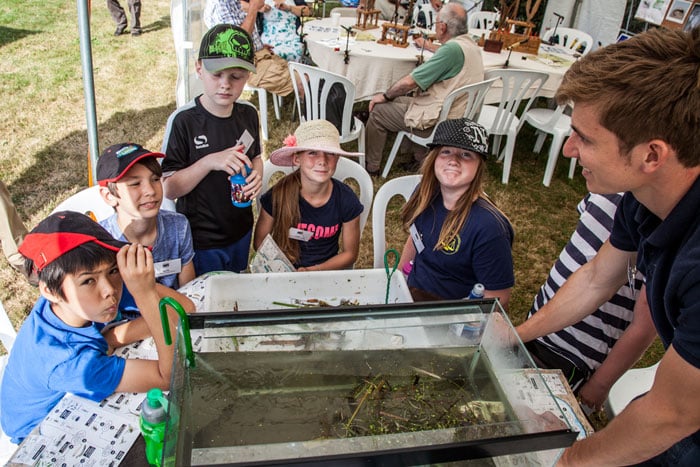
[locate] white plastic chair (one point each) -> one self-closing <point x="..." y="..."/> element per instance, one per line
<point x="345" y="11"/>
<point x="399" y="186"/>
<point x="262" y="103"/>
<point x="633" y="383"/>
<point x="553" y="122"/>
<point x="430" y="15"/>
<point x="503" y="120"/>
<point x="482" y="19"/>
<point x="7" y="331"/>
<point x="474" y="95"/>
<point x="310" y="79"/>
<point x="89" y="202"/>
<point x="7" y="336"/>
<point x="346" y="169"/>
<point x="572" y="39"/>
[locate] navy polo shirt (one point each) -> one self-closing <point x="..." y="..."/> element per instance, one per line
<point x="669" y="257"/>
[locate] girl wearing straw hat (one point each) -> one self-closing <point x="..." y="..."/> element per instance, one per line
<point x="458" y="237"/>
<point x="308" y="212"/>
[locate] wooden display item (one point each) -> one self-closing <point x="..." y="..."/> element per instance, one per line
<point x="367" y="16"/>
<point x="395" y="35"/>
<point x="508" y="38"/>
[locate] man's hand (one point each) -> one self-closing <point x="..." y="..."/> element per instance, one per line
<point x="376" y="99"/>
<point x="135" y="264"/>
<point x="255" y="5"/>
<point x="593" y="394"/>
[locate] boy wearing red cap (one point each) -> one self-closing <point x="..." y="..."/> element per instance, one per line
<point x="63" y="345"/>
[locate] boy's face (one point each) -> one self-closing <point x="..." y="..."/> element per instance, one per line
<point x="140" y="194"/>
<point x="221" y="89"/>
<point x="91" y="296"/>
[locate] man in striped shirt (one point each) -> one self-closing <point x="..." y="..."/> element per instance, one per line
<point x="596" y="351"/>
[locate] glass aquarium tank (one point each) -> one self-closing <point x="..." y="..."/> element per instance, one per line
<point x="403" y="384"/>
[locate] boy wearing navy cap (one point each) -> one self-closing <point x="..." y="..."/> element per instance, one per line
<point x="130" y="181"/>
<point x="208" y="140"/>
<point x="62" y="346"/>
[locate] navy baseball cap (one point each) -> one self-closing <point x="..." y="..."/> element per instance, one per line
<point x="117" y="159"/>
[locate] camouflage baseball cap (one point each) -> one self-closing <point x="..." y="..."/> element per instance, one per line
<point x="227" y="46"/>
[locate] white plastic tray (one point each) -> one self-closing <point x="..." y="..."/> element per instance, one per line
<point x="247" y="292"/>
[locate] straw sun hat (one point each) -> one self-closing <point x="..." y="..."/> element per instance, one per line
<point x="314" y="135"/>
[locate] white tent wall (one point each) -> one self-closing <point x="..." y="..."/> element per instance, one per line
<point x="188" y="27"/>
<point x="564" y="8"/>
<point x="601" y="19"/>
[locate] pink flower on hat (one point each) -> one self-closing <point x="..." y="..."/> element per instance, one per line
<point x="290" y="141"/>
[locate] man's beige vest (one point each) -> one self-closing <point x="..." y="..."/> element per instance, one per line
<point x="424" y="110"/>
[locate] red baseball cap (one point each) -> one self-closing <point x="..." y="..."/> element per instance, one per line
<point x="61" y="232"/>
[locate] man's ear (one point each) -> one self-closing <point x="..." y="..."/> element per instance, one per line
<point x="47" y="294"/>
<point x="658" y="153"/>
<point x="108" y="197"/>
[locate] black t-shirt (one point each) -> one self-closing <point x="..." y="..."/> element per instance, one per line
<point x="193" y="133"/>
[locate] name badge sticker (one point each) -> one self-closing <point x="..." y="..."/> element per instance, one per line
<point x="246" y="140"/>
<point x="165" y="268"/>
<point x="301" y="235"/>
<point x="417" y="238"/>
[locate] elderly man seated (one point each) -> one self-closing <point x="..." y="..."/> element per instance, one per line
<point x="456" y="63"/>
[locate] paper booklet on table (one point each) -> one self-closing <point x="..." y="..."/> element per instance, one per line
<point x="269" y="258"/>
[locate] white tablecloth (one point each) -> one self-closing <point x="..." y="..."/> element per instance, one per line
<point x="374" y="67"/>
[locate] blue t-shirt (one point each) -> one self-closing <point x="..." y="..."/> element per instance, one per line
<point x="48" y="360"/>
<point x="326" y="222"/>
<point x="480" y="253"/>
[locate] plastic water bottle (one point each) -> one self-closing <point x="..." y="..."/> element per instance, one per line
<point x="154" y="413"/>
<point x="477" y="292"/>
<point x="407" y="268"/>
<point x="238" y="182"/>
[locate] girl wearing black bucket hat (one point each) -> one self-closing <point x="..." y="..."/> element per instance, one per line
<point x="458" y="237"/>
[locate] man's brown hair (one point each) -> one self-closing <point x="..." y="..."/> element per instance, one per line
<point x="644" y="88"/>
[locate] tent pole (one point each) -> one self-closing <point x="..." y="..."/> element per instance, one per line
<point x="88" y="87"/>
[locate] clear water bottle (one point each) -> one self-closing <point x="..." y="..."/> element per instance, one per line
<point x="477" y="292"/>
<point x="154" y="413"/>
<point x="238" y="182"/>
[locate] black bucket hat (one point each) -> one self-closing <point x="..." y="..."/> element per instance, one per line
<point x="462" y="133"/>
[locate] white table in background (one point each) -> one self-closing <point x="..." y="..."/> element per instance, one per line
<point x="374" y="67"/>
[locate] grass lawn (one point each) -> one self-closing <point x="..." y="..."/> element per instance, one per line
<point x="43" y="146"/>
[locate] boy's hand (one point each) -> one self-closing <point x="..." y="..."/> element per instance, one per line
<point x="135" y="264"/>
<point x="254" y="184"/>
<point x="229" y="160"/>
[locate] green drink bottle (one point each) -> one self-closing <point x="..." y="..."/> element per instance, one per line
<point x="154" y="413"/>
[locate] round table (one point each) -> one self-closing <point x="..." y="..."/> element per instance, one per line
<point x="372" y="67"/>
